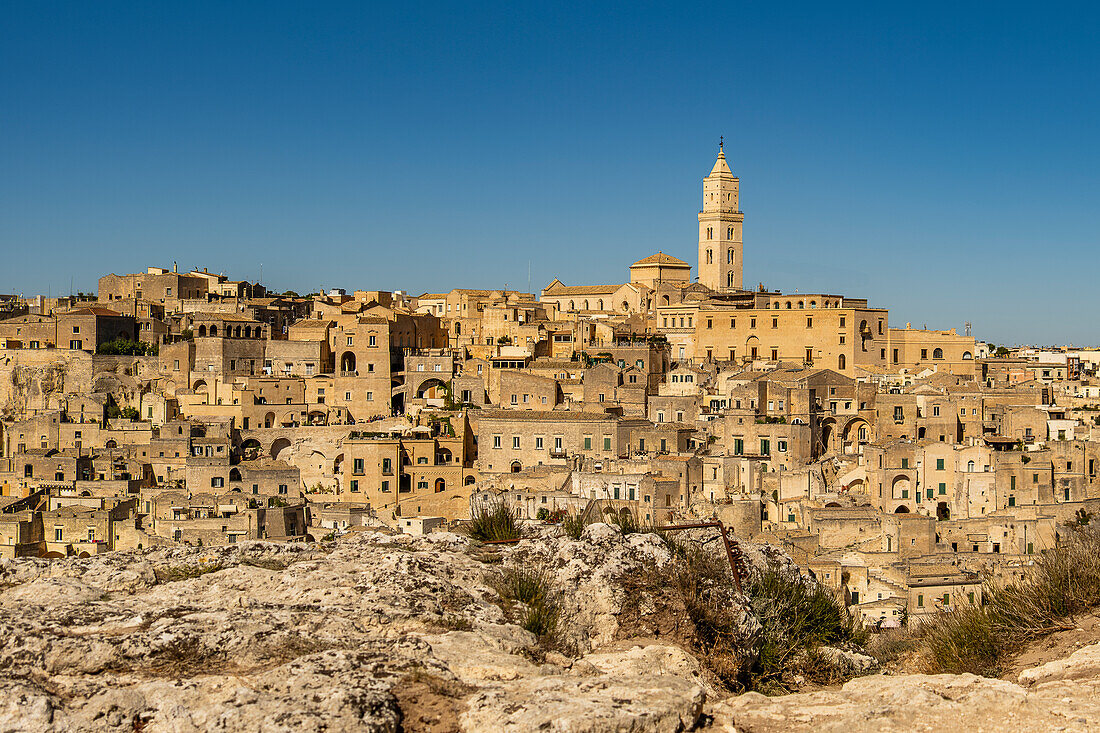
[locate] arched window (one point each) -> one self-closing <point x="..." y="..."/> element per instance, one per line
<point x="801" y="304"/>
<point x="729" y="256"/>
<point x="665" y="300"/>
<point x="213" y="330"/>
<point x="967" y="355"/>
<point x="729" y="233"/>
<point x="248" y="332"/>
<point x="710" y="232"/>
<point x="937" y="354"/>
<point x="841" y="362"/>
<point x="729" y="279"/>
<point x="599" y="304"/>
<point x="970" y="466"/>
<point x="586" y="305"/>
<point x="788" y="305"/>
<point x="202" y="331"/>
<point x="572" y="306"/>
<point x="710" y="257"/>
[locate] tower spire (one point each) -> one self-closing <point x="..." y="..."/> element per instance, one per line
<point x="721" y="141"/>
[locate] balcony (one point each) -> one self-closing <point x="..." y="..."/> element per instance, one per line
<point x="558" y="453"/>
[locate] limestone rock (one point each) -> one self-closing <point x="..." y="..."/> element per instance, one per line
<point x="657" y="703"/>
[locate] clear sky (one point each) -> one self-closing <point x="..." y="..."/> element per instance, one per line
<point x="940" y="160"/>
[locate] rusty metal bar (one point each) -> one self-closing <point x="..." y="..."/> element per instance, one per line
<point x="729" y="544"/>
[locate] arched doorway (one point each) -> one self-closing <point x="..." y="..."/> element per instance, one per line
<point x="440" y="485"/>
<point x="943" y="512"/>
<point x="516" y="467"/>
<point x="347" y="362"/>
<point x="279" y="446"/>
<point x="902" y="510"/>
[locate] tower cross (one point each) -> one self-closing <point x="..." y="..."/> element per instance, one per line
<point x="721" y="142"/>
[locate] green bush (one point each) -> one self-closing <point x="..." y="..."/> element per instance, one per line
<point x="797" y="615"/>
<point x="573" y="524"/>
<point x="127" y="347"/>
<point x="1063" y="582"/>
<point x="492" y="521"/>
<point x="522" y="584"/>
<point x="532" y="588"/>
<point x="962" y="640"/>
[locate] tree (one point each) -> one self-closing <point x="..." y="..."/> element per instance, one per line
<point x="123" y="346"/>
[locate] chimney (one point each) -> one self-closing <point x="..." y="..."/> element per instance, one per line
<point x="174" y="270"/>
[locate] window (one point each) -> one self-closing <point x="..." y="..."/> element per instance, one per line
<point x="496" y="441"/>
<point x="515" y="442"/>
<point x="217" y="482"/>
<point x="357" y="466"/>
<point x="607" y="443"/>
<point x="943" y="489"/>
<point x="355" y="485"/>
<point x="588" y="442"/>
<point x="538" y="443"/>
<point x="939" y="464"/>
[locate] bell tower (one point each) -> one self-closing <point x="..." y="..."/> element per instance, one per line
<point x="720" y="229"/>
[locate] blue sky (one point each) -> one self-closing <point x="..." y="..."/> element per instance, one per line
<point x="940" y="160"/>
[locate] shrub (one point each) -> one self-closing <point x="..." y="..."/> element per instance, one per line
<point x="796" y="615"/>
<point x="532" y="588"/>
<point x="1063" y="582"/>
<point x="573" y="524"/>
<point x="493" y="520"/>
<point x="962" y="640"/>
<point x="126" y="347"/>
<point x="522" y="584"/>
<point x="541" y="619"/>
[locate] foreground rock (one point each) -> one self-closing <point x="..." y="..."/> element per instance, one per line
<point x="379" y="633"/>
<point x="1062" y="696"/>
<point x="374" y="633"/>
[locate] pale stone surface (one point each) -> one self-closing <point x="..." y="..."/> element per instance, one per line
<point x="657" y="703"/>
<point x="289" y="637"/>
<point x="931" y="703"/>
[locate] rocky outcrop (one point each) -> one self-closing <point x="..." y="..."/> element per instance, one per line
<point x="1066" y="700"/>
<point x="387" y="633"/>
<point x="304" y="637"/>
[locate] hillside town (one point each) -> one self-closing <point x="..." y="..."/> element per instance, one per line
<point x="900" y="466"/>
